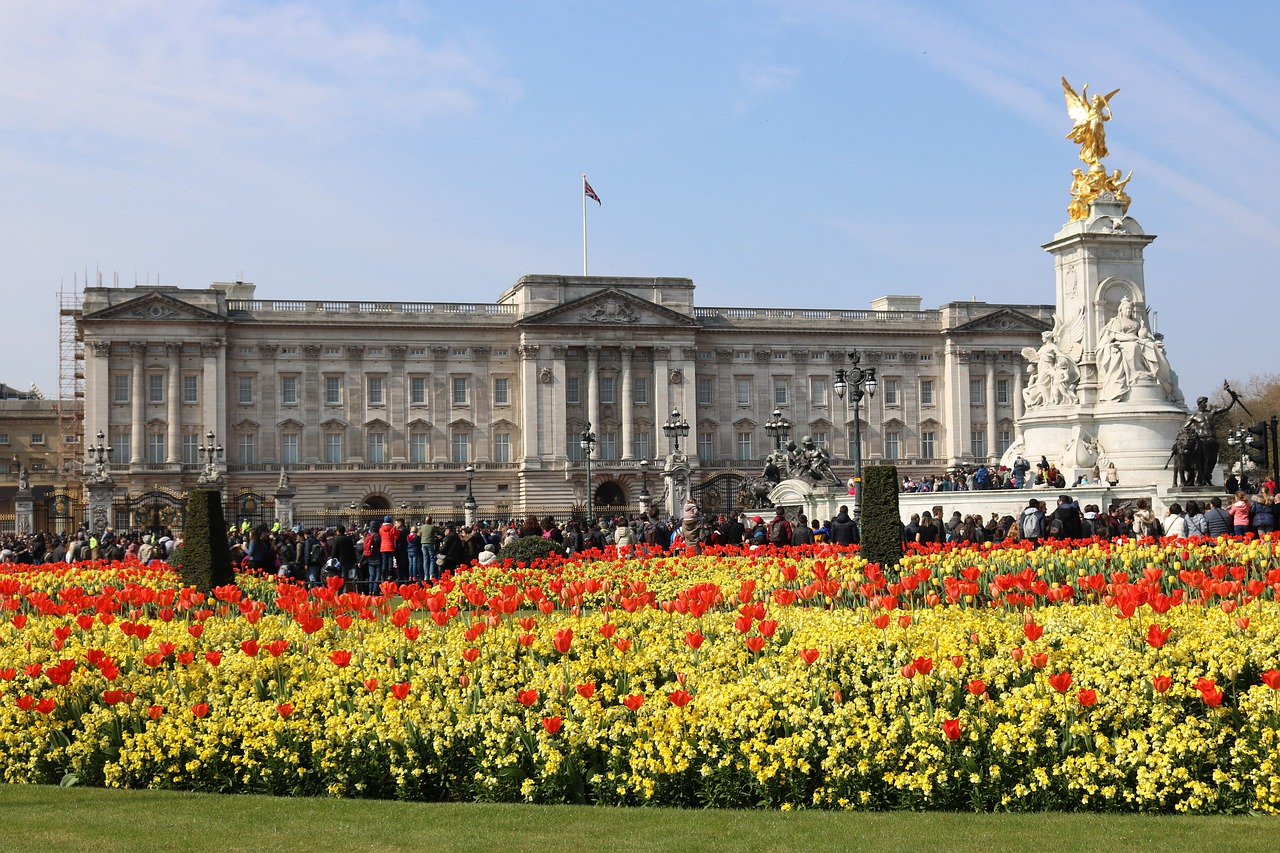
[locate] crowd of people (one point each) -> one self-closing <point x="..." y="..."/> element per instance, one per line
<point x="1021" y="475"/>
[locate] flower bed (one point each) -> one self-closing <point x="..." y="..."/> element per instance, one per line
<point x="1133" y="677"/>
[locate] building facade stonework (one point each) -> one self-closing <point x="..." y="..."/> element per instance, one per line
<point x="384" y="404"/>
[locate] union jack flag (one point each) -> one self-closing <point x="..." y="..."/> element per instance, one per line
<point x="591" y="194"/>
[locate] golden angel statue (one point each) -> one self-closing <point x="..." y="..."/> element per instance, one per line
<point x="1089" y="117"/>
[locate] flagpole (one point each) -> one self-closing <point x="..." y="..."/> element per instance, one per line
<point x="584" y="224"/>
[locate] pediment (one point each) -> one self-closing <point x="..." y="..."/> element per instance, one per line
<point x="461" y="424"/>
<point x="156" y="307"/>
<point x="1006" y="321"/>
<point x="609" y="308"/>
<point x="376" y="423"/>
<point x="289" y="423"/>
<point x="246" y="424"/>
<point x="334" y="423"/>
<point x="744" y="423"/>
<point x="419" y="422"/>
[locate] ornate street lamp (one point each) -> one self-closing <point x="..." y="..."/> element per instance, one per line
<point x="100" y="453"/>
<point x="588" y="442"/>
<point x="210" y="453"/>
<point x="779" y="429"/>
<point x="470" y="505"/>
<point x="644" y="485"/>
<point x="676" y="428"/>
<point x="858" y="381"/>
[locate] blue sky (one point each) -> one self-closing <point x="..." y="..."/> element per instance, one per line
<point x="798" y="152"/>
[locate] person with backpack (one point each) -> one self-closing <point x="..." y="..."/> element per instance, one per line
<point x="315" y="557"/>
<point x="1031" y="522"/>
<point x="843" y="529"/>
<point x="1066" y="520"/>
<point x="1217" y="521"/>
<point x="1145" y="522"/>
<point x="803" y="533"/>
<point x="430" y="537"/>
<point x="779" y="529"/>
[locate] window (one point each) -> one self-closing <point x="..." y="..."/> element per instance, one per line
<point x="461" y="447"/>
<point x="460" y="391"/>
<point x="4" y="438"/>
<point x="377" y="448"/>
<point x="606" y="390"/>
<point x="779" y="356"/>
<point x="817" y="356"/>
<point x="499" y="353"/>
<point x="926" y="392"/>
<point x="640" y="390"/>
<point x="377" y="386"/>
<point x="37" y="438"/>
<point x="705" y="397"/>
<point x="704" y="355"/>
<point x="155" y="448"/>
<point x="501" y="391"/>
<point x="155" y="388"/>
<point x="706" y="445"/>
<point x="818" y="391"/>
<point x="191" y="388"/>
<point x="926" y="356"/>
<point x="574" y="452"/>
<point x="608" y="446"/>
<point x="417" y="390"/>
<point x="120" y="388"/>
<point x="927" y="444"/>
<point x="741" y="355"/>
<point x="459" y="352"/>
<point x="246" y="456"/>
<point x="1004" y="440"/>
<point x="976" y="393"/>
<point x="571" y="395"/>
<point x="744" y="391"/>
<point x="418" y="447"/>
<point x="891" y="356"/>
<point x="121" y="447"/>
<point x="744" y="447"/>
<point x="779" y="392"/>
<point x="820" y="439"/>
<point x="1002" y="391"/>
<point x="333" y="350"/>
<point x="642" y="450"/>
<point x="418" y="352"/>
<point x="333" y="448"/>
<point x="190" y="449"/>
<point x="892" y="444"/>
<point x="374" y="352"/>
<point x="978" y="442"/>
<point x="289" y="448"/>
<point x="246" y="350"/>
<point x="502" y="447"/>
<point x="891" y="392"/>
<point x="288" y="350"/>
<point x="333" y="390"/>
<point x="289" y="390"/>
<point x="246" y="390"/>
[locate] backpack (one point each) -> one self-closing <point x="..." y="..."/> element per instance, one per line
<point x="316" y="556"/>
<point x="1031" y="525"/>
<point x="778" y="532"/>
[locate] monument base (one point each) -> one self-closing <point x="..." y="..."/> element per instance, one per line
<point x="814" y="500"/>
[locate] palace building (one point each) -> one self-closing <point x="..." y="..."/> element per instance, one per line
<point x="385" y="404"/>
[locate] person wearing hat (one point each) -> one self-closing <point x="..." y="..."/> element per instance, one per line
<point x="759" y="535"/>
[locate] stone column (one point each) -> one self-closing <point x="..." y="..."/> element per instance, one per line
<point x="284" y="504"/>
<point x="24" y="516"/>
<point x="627" y="406"/>
<point x="138" y="417"/>
<point x="593" y="386"/>
<point x="991" y="407"/>
<point x="97" y="414"/>
<point x="210" y="390"/>
<point x="661" y="386"/>
<point x="559" y="409"/>
<point x="312" y="406"/>
<point x="1019" y="404"/>
<point x="174" y="454"/>
<point x="101" y="489"/>
<point x="397" y="397"/>
<point x="952" y="395"/>
<point x="531" y="435"/>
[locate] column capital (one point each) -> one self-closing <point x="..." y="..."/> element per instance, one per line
<point x="101" y="348"/>
<point x="355" y="351"/>
<point x="529" y="351"/>
<point x="210" y="349"/>
<point x="268" y="350"/>
<point x="662" y="352"/>
<point x="397" y="352"/>
<point x="627" y="350"/>
<point x="173" y="348"/>
<point x="138" y="349"/>
<point x="593" y="351"/>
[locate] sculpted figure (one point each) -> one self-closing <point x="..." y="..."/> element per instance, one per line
<point x="24" y="479"/>
<point x="1200" y="425"/>
<point x="1054" y="373"/>
<point x="816" y="462"/>
<point x="1089" y="117"/>
<point x="1128" y="354"/>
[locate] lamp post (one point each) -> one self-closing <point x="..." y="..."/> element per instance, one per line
<point x="210" y="453"/>
<point x="779" y="429"/>
<point x="99" y="453"/>
<point x="588" y="442"/>
<point x="675" y="428"/>
<point x="470" y="505"/>
<point x="644" y="485"/>
<point x="858" y="381"/>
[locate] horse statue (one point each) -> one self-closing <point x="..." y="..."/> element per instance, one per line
<point x="1185" y="458"/>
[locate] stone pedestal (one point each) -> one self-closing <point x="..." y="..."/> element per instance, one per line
<point x="24" y="512"/>
<point x="100" y="489"/>
<point x="676" y="475"/>
<point x="820" y="501"/>
<point x="284" y="506"/>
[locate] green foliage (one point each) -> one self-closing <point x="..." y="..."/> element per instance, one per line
<point x="527" y="549"/>
<point x="881" y="520"/>
<point x="204" y="561"/>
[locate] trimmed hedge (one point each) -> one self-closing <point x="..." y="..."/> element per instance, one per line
<point x="204" y="561"/>
<point x="881" y="521"/>
<point x="527" y="549"/>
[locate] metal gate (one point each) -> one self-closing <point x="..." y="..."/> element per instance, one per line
<point x="249" y="508"/>
<point x="154" y="511"/>
<point x="59" y="512"/>
<point x="732" y="491"/>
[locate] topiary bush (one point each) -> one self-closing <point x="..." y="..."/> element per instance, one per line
<point x="527" y="549"/>
<point x="204" y="561"/>
<point x="881" y="527"/>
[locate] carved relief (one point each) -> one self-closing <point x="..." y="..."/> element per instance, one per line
<point x="724" y="356"/>
<point x="311" y="350"/>
<point x="529" y="351"/>
<point x="910" y="356"/>
<point x="661" y="352"/>
<point x="210" y="350"/>
<point x="800" y="355"/>
<point x="267" y="350"/>
<point x="101" y="348"/>
<point x="397" y="352"/>
<point x="762" y="356"/>
<point x="560" y="353"/>
<point x="626" y="351"/>
<point x="611" y="311"/>
<point x="544" y="376"/>
<point x="440" y="353"/>
<point x="677" y="376"/>
<point x="355" y="351"/>
<point x="873" y="356"/>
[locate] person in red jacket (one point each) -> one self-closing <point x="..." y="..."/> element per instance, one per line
<point x="388" y="534"/>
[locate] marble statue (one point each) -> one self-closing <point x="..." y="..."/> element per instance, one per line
<point x="24" y="479"/>
<point x="1053" y="371"/>
<point x="1090" y="118"/>
<point x="1128" y="355"/>
<point x="815" y="463"/>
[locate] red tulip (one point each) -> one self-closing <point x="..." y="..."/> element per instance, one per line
<point x="214" y="657"/>
<point x="679" y="698"/>
<point x="768" y="627"/>
<point x="694" y="639"/>
<point x="1161" y="683"/>
<point x="904" y="621"/>
<point x="1242" y="622"/>
<point x="1212" y="698"/>
<point x="46" y="706"/>
<point x="564" y="639"/>
<point x="908" y="671"/>
<point x="552" y="724"/>
<point x="634" y="701"/>
<point x="743" y="623"/>
<point x="250" y="648"/>
<point x="607" y="629"/>
<point x="526" y="640"/>
<point x="1060" y="682"/>
<point x="155" y="711"/>
<point x="1040" y="660"/>
<point x="200" y="710"/>
<point x="1087" y="697"/>
<point x="153" y="660"/>
<point x="371" y="684"/>
<point x="8" y="673"/>
<point x="1016" y="653"/>
<point x="952" y="729"/>
<point x="622" y="645"/>
<point x="25" y="703"/>
<point x="527" y="622"/>
<point x="977" y="687"/>
<point x="924" y="666"/>
<point x="195" y="630"/>
<point x="185" y="658"/>
<point x="527" y="698"/>
<point x="881" y="621"/>
<point x="586" y="691"/>
<point x="284" y="709"/>
<point x="112" y="697"/>
<point x="412" y="633"/>
<point x="277" y="647"/>
<point x="809" y="655"/>
<point x="1271" y="678"/>
<point x="1033" y="631"/>
<point x="957" y="661"/>
<point x="19" y="621"/>
<point x="755" y="644"/>
<point x="1157" y="638"/>
<point x="33" y="670"/>
<point x="470" y="655"/>
<point x="340" y="657"/>
<point x="400" y="690"/>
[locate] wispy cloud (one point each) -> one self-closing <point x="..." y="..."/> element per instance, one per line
<point x="765" y="78"/>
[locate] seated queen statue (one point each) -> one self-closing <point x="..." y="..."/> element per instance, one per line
<point x="1129" y="355"/>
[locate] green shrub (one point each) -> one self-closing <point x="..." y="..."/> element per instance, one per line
<point x="881" y="527"/>
<point x="204" y="561"/>
<point x="527" y="549"/>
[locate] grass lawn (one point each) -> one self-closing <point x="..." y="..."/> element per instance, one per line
<point x="38" y="818"/>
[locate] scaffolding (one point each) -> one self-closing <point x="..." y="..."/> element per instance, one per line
<point x="70" y="403"/>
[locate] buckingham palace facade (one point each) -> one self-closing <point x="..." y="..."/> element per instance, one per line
<point x="385" y="404"/>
